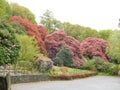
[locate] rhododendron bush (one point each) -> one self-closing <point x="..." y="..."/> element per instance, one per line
<point x="94" y="47"/>
<point x="42" y="30"/>
<point x="55" y="40"/>
<point x="51" y="43"/>
<point x="33" y="30"/>
<point x="9" y="45"/>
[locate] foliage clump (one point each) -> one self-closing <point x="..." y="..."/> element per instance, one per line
<point x="5" y="10"/>
<point x="22" y="11"/>
<point x="55" y="40"/>
<point x="113" y="50"/>
<point x="98" y="65"/>
<point x="29" y="48"/>
<point x="9" y="46"/>
<point x="79" y="32"/>
<point x="31" y="29"/>
<point x="18" y="28"/>
<point x="43" y="31"/>
<point x="43" y="63"/>
<point x="48" y="20"/>
<point x="94" y="47"/>
<point x="63" y="57"/>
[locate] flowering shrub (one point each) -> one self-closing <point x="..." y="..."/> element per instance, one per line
<point x="43" y="63"/>
<point x="31" y="29"/>
<point x="55" y="40"/>
<point x="9" y="46"/>
<point x="94" y="47"/>
<point x="43" y="31"/>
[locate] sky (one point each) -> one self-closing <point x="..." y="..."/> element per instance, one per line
<point x="97" y="14"/>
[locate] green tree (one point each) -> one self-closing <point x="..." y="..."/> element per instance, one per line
<point x="79" y="32"/>
<point x="24" y="12"/>
<point x="5" y="10"/>
<point x="48" y="20"/>
<point x="76" y="31"/>
<point x="104" y="34"/>
<point x="114" y="47"/>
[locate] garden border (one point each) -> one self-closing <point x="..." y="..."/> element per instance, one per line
<point x="43" y="77"/>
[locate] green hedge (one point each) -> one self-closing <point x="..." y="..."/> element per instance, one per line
<point x="9" y="46"/>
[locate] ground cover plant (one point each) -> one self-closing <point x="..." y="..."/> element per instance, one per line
<point x="69" y="73"/>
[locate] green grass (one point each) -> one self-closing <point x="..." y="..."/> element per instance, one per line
<point x="105" y="74"/>
<point x="67" y="71"/>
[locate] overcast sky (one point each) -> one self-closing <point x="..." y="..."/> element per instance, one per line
<point x="97" y="14"/>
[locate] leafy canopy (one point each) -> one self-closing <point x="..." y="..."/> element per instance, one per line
<point x="48" y="20"/>
<point x="5" y="10"/>
<point x="114" y="47"/>
<point x="24" y="12"/>
<point x="29" y="48"/>
<point x="9" y="46"/>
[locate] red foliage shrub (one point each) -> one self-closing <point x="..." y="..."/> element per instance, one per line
<point x="43" y="31"/>
<point x="55" y="40"/>
<point x="38" y="32"/>
<point x="94" y="47"/>
<point x="74" y="76"/>
<point x="61" y="77"/>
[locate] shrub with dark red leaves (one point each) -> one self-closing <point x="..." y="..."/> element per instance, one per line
<point x="43" y="31"/>
<point x="32" y="30"/>
<point x="55" y="40"/>
<point x="94" y="47"/>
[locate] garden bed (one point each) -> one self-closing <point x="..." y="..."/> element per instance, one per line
<point x="70" y="77"/>
<point x="65" y="73"/>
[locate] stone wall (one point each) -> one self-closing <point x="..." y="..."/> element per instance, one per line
<point x="28" y="78"/>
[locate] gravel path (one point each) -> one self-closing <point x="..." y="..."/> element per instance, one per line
<point x="90" y="83"/>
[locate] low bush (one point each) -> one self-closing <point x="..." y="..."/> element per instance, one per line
<point x="63" y="57"/>
<point x="114" y="69"/>
<point x="29" y="48"/>
<point x="67" y="71"/>
<point x="59" y="71"/>
<point x="101" y="65"/>
<point x="88" y="64"/>
<point x="24" y="65"/>
<point x="43" y="63"/>
<point x="96" y="64"/>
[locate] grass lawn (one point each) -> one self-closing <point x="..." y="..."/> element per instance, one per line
<point x="68" y="73"/>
